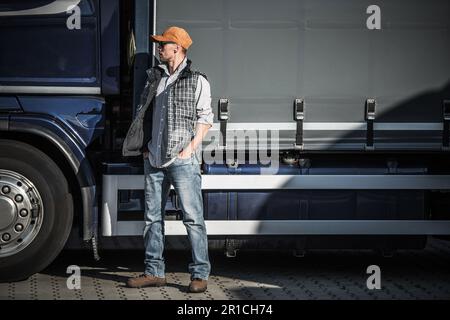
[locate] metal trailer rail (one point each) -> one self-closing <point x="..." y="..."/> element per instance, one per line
<point x="112" y="183"/>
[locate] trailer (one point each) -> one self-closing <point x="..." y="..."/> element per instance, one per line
<point x="332" y="123"/>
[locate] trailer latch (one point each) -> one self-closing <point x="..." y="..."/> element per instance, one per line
<point x="446" y="129"/>
<point x="370" y="117"/>
<point x="299" y="116"/>
<point x="223" y="117"/>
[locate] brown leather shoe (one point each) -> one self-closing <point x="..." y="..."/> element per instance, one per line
<point x="145" y="280"/>
<point x="198" y="285"/>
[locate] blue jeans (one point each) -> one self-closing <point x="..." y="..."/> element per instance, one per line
<point x="185" y="176"/>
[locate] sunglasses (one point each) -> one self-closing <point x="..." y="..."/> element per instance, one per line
<point x="161" y="44"/>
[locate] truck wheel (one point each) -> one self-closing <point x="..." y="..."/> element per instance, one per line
<point x="36" y="210"/>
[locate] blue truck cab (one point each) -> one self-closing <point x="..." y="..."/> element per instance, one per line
<point x="60" y="63"/>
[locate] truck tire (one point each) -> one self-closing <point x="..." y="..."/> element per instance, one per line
<point x="36" y="210"/>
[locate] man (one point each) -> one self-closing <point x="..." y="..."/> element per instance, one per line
<point x="181" y="106"/>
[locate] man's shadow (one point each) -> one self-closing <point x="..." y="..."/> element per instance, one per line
<point x="108" y="268"/>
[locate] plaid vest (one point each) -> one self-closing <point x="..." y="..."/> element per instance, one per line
<point x="181" y="111"/>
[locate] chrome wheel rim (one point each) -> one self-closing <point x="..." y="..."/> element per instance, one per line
<point x="21" y="212"/>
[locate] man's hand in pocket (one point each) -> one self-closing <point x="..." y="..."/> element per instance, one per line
<point x="185" y="153"/>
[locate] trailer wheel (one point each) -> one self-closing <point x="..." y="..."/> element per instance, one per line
<point x="36" y="210"/>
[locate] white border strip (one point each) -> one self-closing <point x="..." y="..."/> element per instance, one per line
<point x="331" y="126"/>
<point x="278" y="182"/>
<point x="299" y="227"/>
<point x="49" y="90"/>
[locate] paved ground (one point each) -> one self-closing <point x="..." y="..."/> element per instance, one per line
<point x="330" y="274"/>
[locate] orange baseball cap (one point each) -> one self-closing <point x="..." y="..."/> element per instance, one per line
<point x="174" y="34"/>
